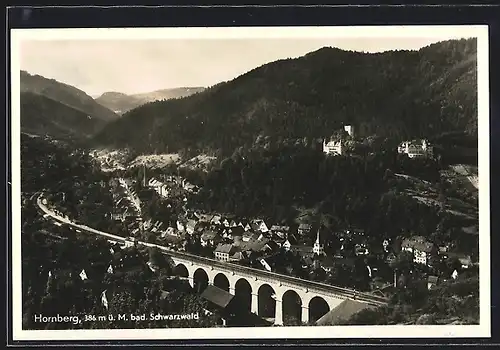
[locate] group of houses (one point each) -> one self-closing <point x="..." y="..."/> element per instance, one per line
<point x="127" y="206"/>
<point x="416" y="149"/>
<point x="164" y="188"/>
<point x="426" y="253"/>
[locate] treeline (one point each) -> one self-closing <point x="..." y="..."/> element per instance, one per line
<point x="69" y="179"/>
<point x="41" y="115"/>
<point x="348" y="191"/>
<point x="400" y="94"/>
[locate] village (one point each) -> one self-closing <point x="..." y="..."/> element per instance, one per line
<point x="308" y="250"/>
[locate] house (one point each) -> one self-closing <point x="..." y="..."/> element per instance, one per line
<point x="302" y="250"/>
<point x="432" y="281"/>
<point x="333" y="147"/>
<point x="171" y="231"/>
<point x="209" y="238"/>
<point x="248" y="227"/>
<point x="248" y="236"/>
<point x="259" y="225"/>
<point x="191" y="226"/>
<point x="226" y="223"/>
<point x="180" y="226"/>
<point x="277" y="228"/>
<point x="420" y="247"/>
<point x="216" y="220"/>
<point x="237" y="256"/>
<point x="261" y="246"/>
<point x="289" y="242"/>
<point x="416" y="148"/>
<point x="304" y="229"/>
<point x="220" y="302"/>
<point x="360" y="249"/>
<point x="224" y="251"/>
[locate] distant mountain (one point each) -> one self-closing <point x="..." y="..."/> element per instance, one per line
<point x="65" y="94"/>
<point x="121" y="103"/>
<point x="118" y="102"/>
<point x="167" y="94"/>
<point x="41" y="115"/>
<point x="395" y="94"/>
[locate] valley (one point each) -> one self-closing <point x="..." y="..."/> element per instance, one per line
<point x="289" y="195"/>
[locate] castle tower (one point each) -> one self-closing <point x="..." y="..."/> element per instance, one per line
<point x="349" y="129"/>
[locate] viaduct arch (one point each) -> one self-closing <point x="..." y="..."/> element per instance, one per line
<point x="267" y="297"/>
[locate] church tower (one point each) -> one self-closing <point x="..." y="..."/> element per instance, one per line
<point x="318" y="247"/>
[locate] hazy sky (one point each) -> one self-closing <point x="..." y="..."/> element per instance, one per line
<point x="134" y="66"/>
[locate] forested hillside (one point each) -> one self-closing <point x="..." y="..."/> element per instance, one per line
<point x="453" y="302"/>
<point x="398" y="94"/>
<point x="346" y="191"/>
<point x="65" y="94"/>
<point x="41" y="115"/>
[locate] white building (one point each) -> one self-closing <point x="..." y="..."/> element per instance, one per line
<point x="422" y="249"/>
<point x="333" y="147"/>
<point x="415" y="149"/>
<point x="349" y="129"/>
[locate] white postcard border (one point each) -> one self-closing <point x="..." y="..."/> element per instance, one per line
<point x="385" y="331"/>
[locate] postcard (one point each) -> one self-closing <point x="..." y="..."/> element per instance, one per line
<point x="240" y="183"/>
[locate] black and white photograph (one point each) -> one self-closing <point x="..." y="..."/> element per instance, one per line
<point x="191" y="183"/>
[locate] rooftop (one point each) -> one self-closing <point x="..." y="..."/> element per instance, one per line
<point x="226" y="248"/>
<point x="342" y="312"/>
<point x="217" y="296"/>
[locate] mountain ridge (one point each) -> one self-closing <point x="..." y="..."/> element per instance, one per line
<point x="399" y="94"/>
<point x="121" y="102"/>
<point x="41" y="115"/>
<point x="65" y="94"/>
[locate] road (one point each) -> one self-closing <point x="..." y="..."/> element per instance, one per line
<point x="372" y="299"/>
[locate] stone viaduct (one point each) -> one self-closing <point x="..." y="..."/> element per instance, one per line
<point x="258" y="289"/>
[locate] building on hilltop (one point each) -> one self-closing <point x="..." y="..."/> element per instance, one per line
<point x="349" y="129"/>
<point x="416" y="149"/>
<point x="333" y="147"/>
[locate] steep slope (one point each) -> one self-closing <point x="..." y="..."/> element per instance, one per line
<point x="65" y="94"/>
<point x="121" y="103"/>
<point x="392" y="94"/>
<point x="41" y="115"/>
